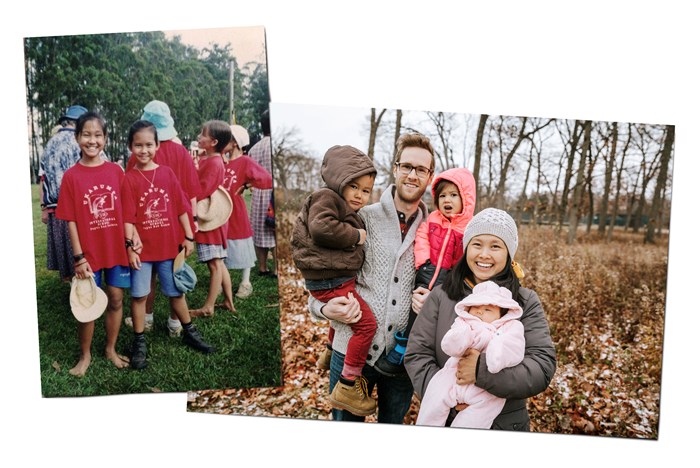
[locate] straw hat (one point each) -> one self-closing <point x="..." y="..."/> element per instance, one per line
<point x="240" y="134"/>
<point x="87" y="301"/>
<point x="183" y="274"/>
<point x="214" y="210"/>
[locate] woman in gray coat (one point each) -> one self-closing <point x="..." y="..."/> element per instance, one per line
<point x="490" y="243"/>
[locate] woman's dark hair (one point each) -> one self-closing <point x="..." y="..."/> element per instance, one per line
<point x="86" y="117"/>
<point x="137" y="127"/>
<point x="456" y="289"/>
<point x="221" y="132"/>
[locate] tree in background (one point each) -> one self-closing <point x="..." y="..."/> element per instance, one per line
<point x="117" y="74"/>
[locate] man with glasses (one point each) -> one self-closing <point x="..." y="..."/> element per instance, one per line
<point x="386" y="279"/>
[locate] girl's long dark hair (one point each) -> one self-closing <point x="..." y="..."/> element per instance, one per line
<point x="456" y="289"/>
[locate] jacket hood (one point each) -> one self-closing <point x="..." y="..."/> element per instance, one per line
<point x="489" y="292"/>
<point x="341" y="164"/>
<point x="464" y="180"/>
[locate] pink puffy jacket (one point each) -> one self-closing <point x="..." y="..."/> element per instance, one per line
<point x="439" y="239"/>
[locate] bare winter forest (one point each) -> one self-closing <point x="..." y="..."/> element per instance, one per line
<point x="603" y="284"/>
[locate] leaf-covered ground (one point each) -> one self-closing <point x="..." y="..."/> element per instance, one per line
<point x="605" y="306"/>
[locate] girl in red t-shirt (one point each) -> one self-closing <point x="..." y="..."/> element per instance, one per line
<point x="211" y="245"/>
<point x="91" y="204"/>
<point x="156" y="207"/>
<point x="242" y="172"/>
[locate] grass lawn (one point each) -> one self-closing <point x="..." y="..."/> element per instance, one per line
<point x="248" y="343"/>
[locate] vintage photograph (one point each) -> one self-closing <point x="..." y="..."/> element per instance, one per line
<point x="467" y="270"/>
<point x="154" y="228"/>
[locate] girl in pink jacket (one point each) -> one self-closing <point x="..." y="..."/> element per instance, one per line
<point x="437" y="248"/>
<point x="487" y="320"/>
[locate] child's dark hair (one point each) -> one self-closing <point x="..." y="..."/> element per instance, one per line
<point x="456" y="289"/>
<point x="86" y="117"/>
<point x="137" y="127"/>
<point x="219" y="131"/>
<point x="439" y="187"/>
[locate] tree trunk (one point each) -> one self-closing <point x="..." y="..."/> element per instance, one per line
<point x="397" y="134"/>
<point x="578" y="188"/>
<point x="656" y="206"/>
<point x="592" y="161"/>
<point x="501" y="187"/>
<point x="522" y="200"/>
<point x="618" y="188"/>
<point x="589" y="191"/>
<point x="477" y="158"/>
<point x="575" y="136"/>
<point x="605" y="200"/>
<point x="374" y="121"/>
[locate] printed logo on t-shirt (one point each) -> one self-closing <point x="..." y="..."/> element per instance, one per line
<point x="100" y="200"/>
<point x="154" y="203"/>
<point x="230" y="178"/>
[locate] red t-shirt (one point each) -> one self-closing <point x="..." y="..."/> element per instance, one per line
<point x="211" y="175"/>
<point x="154" y="210"/>
<point x="91" y="197"/>
<point x="240" y="171"/>
<point x="177" y="158"/>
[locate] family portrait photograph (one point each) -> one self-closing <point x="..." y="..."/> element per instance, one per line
<point x="579" y="215"/>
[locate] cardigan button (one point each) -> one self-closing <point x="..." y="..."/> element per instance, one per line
<point x="369" y="357"/>
<point x="393" y="302"/>
<point x="390" y="327"/>
<point x="396" y="279"/>
<point x="375" y="347"/>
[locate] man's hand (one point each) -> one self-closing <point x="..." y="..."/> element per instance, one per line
<point x="342" y="309"/>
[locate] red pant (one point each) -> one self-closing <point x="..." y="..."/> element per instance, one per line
<point x="362" y="331"/>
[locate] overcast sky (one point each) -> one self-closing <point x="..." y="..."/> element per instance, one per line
<point x="247" y="43"/>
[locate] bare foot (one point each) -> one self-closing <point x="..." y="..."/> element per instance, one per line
<point x="226" y="305"/>
<point x="203" y="312"/>
<point x="119" y="361"/>
<point x="82" y="366"/>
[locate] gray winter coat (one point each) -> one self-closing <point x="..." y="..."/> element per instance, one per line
<point x="424" y="357"/>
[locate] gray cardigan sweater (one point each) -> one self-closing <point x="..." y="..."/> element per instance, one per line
<point x="386" y="278"/>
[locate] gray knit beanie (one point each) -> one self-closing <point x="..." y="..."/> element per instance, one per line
<point x="495" y="222"/>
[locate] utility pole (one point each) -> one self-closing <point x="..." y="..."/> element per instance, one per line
<point x="232" y="111"/>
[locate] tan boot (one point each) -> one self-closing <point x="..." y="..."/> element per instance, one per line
<point x="353" y="398"/>
<point x="324" y="360"/>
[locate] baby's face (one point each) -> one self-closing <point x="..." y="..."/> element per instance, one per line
<point x="487" y="313"/>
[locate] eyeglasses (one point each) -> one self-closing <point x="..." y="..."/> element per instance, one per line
<point x="421" y="171"/>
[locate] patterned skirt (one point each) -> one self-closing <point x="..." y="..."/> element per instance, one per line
<point x="59" y="253"/>
<point x="206" y="252"/>
<point x="263" y="236"/>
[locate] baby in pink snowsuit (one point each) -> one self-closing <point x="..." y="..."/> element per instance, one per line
<point x="487" y="320"/>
